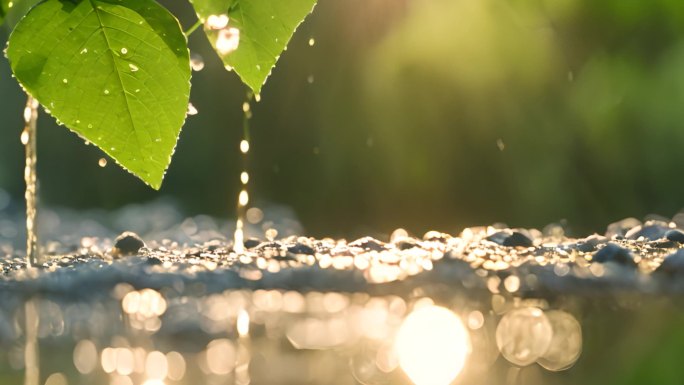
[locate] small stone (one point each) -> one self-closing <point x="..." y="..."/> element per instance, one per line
<point x="590" y="244"/>
<point x="518" y="240"/>
<point x="368" y="244"/>
<point x="675" y="236"/>
<point x="301" y="249"/>
<point x="406" y="244"/>
<point x="154" y="261"/>
<point x="614" y="254"/>
<point x="252" y="243"/>
<point x="436" y="236"/>
<point x="620" y="228"/>
<point x="672" y="264"/>
<point x="650" y="232"/>
<point x="499" y="237"/>
<point x="128" y="243"/>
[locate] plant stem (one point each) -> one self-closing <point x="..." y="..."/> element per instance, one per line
<point x="28" y="138"/>
<point x="193" y="28"/>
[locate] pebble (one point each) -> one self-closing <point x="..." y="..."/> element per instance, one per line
<point x="650" y="232"/>
<point x="368" y="244"/>
<point x="620" y="228"/>
<point x="673" y="263"/>
<point x="518" y="240"/>
<point x="252" y="243"/>
<point x="675" y="236"/>
<point x="301" y="249"/>
<point x="128" y="243"/>
<point x="590" y="244"/>
<point x="614" y="254"/>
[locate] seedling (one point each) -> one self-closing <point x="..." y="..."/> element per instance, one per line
<point x="117" y="72"/>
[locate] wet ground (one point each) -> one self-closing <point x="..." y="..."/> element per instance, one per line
<point x="490" y="305"/>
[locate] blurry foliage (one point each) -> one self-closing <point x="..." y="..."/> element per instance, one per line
<point x="409" y="106"/>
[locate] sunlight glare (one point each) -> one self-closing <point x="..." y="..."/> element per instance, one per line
<point x="432" y="345"/>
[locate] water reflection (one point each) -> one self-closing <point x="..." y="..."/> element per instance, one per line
<point x="433" y="345"/>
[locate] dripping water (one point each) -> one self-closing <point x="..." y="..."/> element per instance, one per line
<point x="28" y="139"/>
<point x="243" y="196"/>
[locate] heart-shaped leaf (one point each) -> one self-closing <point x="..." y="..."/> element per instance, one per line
<point x="116" y="72"/>
<point x="250" y="35"/>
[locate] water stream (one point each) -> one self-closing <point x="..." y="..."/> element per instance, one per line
<point x="28" y="139"/>
<point x="243" y="196"/>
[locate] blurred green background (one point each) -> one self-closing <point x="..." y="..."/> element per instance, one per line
<point x="422" y="114"/>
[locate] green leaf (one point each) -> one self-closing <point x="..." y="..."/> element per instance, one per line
<point x="116" y="72"/>
<point x="264" y="28"/>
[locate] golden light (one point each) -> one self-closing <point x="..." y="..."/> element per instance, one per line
<point x="432" y="345"/>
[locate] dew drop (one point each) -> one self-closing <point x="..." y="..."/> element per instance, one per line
<point x="124" y="51"/>
<point x="217" y="21"/>
<point x="133" y="67"/>
<point x="191" y="109"/>
<point x="196" y="62"/>
<point x="228" y="40"/>
<point x="84" y="51"/>
<point x="90" y="126"/>
<point x="157" y="140"/>
<point x="65" y="80"/>
<point x="113" y="149"/>
<point x="258" y="67"/>
<point x="106" y="92"/>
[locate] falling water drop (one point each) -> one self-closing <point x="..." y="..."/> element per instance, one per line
<point x="243" y="197"/>
<point x="102" y="162"/>
<point x="244" y="146"/>
<point x="196" y="62"/>
<point x="312" y="41"/>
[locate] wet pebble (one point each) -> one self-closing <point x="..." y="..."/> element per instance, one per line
<point x="128" y="243"/>
<point x="368" y="244"/>
<point x="614" y="254"/>
<point x="675" y="236"/>
<point x="620" y="228"/>
<point x="510" y="239"/>
<point x="590" y="244"/>
<point x="673" y="263"/>
<point x="301" y="249"/>
<point x="518" y="240"/>
<point x="252" y="243"/>
<point x="650" y="232"/>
